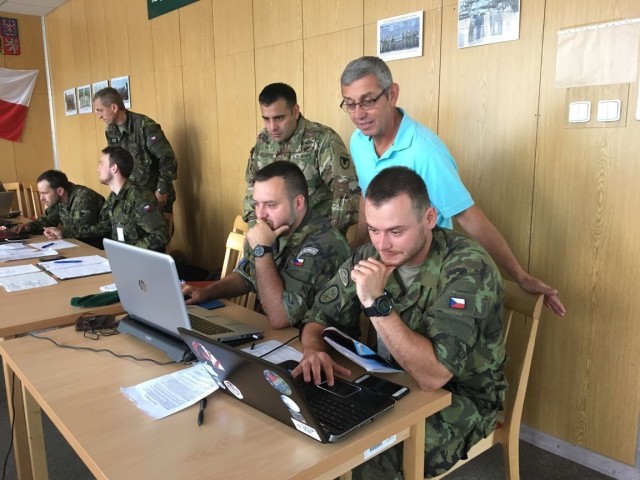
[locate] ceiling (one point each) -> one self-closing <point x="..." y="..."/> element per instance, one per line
<point x="38" y="8"/>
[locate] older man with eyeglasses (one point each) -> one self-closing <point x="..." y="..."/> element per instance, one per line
<point x="386" y="136"/>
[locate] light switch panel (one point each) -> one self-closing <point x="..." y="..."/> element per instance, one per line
<point x="579" y="112"/>
<point x="608" y="110"/>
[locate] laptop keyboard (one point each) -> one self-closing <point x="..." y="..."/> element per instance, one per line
<point x="334" y="414"/>
<point x="206" y="326"/>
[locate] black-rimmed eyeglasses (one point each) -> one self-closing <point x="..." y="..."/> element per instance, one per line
<point x="366" y="104"/>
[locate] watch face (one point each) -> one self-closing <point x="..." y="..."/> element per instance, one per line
<point x="258" y="251"/>
<point x="385" y="305"/>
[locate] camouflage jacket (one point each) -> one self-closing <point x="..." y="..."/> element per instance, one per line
<point x="131" y="216"/>
<point x="320" y="153"/>
<point x="306" y="259"/>
<point x="155" y="163"/>
<point x="83" y="208"/>
<point x="468" y="341"/>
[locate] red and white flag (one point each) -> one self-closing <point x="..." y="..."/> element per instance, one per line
<point x="16" y="87"/>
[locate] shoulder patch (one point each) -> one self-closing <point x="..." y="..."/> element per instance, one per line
<point x="308" y="250"/>
<point x="345" y="162"/>
<point x="329" y="295"/>
<point x="344" y="276"/>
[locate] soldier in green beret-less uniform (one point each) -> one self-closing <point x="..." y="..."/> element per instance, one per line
<point x="130" y="214"/>
<point x="68" y="205"/>
<point x="435" y="299"/>
<point x="290" y="252"/>
<point x="155" y="162"/>
<point x="316" y="149"/>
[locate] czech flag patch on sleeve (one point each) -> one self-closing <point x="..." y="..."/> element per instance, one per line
<point x="457" y="303"/>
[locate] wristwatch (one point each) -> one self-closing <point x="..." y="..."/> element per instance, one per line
<point x="260" y="250"/>
<point x="160" y="191"/>
<point x="382" y="306"/>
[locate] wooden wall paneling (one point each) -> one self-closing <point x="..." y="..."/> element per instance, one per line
<point x="375" y="10"/>
<point x="165" y="31"/>
<point x="80" y="42"/>
<point x="321" y="17"/>
<point x="488" y="120"/>
<point x="232" y="27"/>
<point x="199" y="172"/>
<point x="141" y="39"/>
<point x="34" y="151"/>
<point x="280" y="21"/>
<point x="279" y="63"/>
<point x="584" y="385"/>
<point x="322" y="77"/>
<point x="97" y="40"/>
<point x="235" y="88"/>
<point x="196" y="32"/>
<point x="31" y="52"/>
<point x="54" y="47"/>
<point x="115" y="13"/>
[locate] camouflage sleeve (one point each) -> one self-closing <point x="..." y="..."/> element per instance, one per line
<point x="308" y="270"/>
<point x="100" y="229"/>
<point x="339" y="174"/>
<point x="50" y="218"/>
<point x="86" y="208"/>
<point x="249" y="215"/>
<point x="160" y="148"/>
<point x="152" y="225"/>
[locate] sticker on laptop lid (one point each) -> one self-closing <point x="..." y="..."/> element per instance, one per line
<point x="297" y="416"/>
<point x="277" y="382"/>
<point x="289" y="403"/>
<point x="233" y="389"/>
<point x="306" y="429"/>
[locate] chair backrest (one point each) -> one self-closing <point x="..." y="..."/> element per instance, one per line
<point x="232" y="257"/>
<point x="23" y="203"/>
<point x="240" y="226"/>
<point x="34" y="197"/>
<point x="521" y="318"/>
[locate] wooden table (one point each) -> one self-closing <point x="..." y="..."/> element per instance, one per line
<point x="80" y="392"/>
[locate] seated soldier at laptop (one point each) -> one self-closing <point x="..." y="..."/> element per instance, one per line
<point x="435" y="300"/>
<point x="290" y="252"/>
<point x="130" y="214"/>
<point x="68" y="205"/>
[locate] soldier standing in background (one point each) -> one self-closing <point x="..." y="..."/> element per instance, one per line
<point x="155" y="162"/>
<point x="316" y="149"/>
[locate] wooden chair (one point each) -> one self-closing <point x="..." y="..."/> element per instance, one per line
<point x="24" y="204"/>
<point x="232" y="257"/>
<point x="240" y="226"/>
<point x="34" y="197"/>
<point x="520" y="342"/>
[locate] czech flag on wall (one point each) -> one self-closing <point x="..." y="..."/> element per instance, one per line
<point x="16" y="87"/>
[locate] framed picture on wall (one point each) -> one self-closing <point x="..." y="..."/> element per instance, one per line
<point x="97" y="86"/>
<point x="70" y="106"/>
<point x="400" y="37"/>
<point x="121" y="84"/>
<point x="481" y="22"/>
<point x="84" y="99"/>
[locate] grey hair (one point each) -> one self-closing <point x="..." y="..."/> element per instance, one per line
<point x="363" y="66"/>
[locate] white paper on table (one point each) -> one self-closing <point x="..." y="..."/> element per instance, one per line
<point x="282" y="354"/>
<point x="26" y="281"/>
<point x="163" y="396"/>
<point x="77" y="266"/>
<point x="17" y="270"/>
<point x="23" y="253"/>
<point x="55" y="244"/>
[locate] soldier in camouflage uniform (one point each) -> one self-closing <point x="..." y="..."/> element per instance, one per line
<point x="155" y="163"/>
<point x="318" y="151"/>
<point x="130" y="214"/>
<point x="68" y="205"/>
<point x="290" y="252"/>
<point x="443" y="325"/>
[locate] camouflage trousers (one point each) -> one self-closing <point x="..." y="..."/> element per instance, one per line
<point x="445" y="444"/>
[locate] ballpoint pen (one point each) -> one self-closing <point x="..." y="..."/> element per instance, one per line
<point x="68" y="261"/>
<point x="47" y="245"/>
<point x="203" y="405"/>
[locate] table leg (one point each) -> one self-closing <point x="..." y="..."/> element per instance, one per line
<point x="20" y="434"/>
<point x="413" y="452"/>
<point x="33" y="417"/>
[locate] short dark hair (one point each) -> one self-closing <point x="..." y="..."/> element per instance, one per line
<point x="363" y="66"/>
<point x="294" y="181"/>
<point x="55" y="178"/>
<point x="394" y="181"/>
<point x="120" y="157"/>
<point x="275" y="91"/>
<point x="108" y="96"/>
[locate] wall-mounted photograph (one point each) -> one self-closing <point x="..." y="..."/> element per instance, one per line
<point x="400" y="37"/>
<point x="121" y="84"/>
<point x="84" y="99"/>
<point x="97" y="86"/>
<point x="70" y="106"/>
<point x="481" y="22"/>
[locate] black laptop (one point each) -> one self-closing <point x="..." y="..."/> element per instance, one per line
<point x="324" y="413"/>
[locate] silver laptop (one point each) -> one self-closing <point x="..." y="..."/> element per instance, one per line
<point x="150" y="293"/>
<point x="6" y="200"/>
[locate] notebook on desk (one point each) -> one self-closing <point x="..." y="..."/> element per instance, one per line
<point x="326" y="414"/>
<point x="150" y="293"/>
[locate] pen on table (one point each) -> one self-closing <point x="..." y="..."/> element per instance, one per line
<point x="68" y="261"/>
<point x="203" y="405"/>
<point x="47" y="245"/>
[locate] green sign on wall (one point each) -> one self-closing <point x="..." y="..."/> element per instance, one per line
<point x="155" y="8"/>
